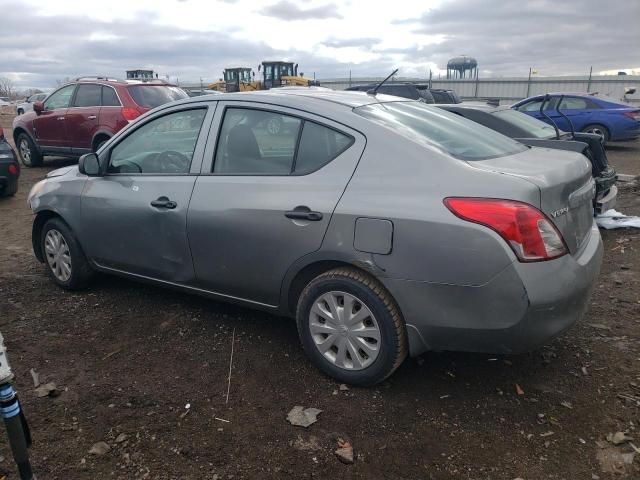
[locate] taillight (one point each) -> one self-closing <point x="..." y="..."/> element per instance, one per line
<point x="633" y="115"/>
<point x="527" y="230"/>
<point x="130" y="114"/>
<point x="12" y="169"/>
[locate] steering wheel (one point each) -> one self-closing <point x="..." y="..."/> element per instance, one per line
<point x="171" y="161"/>
<point x="129" y="167"/>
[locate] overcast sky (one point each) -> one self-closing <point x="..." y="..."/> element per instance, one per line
<point x="43" y="41"/>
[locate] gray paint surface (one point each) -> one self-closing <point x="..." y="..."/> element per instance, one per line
<point x="458" y="284"/>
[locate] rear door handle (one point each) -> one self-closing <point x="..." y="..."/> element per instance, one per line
<point x="164" y="202"/>
<point x="91" y="117"/>
<point x="303" y="213"/>
<point x="60" y="118"/>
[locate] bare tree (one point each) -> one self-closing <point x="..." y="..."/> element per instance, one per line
<point x="7" y="88"/>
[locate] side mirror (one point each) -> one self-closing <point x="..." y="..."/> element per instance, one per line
<point x="38" y="107"/>
<point x="89" y="165"/>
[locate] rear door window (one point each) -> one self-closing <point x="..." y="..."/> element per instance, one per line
<point x="256" y="142"/>
<point x="109" y="97"/>
<point x="573" y="103"/>
<point x="259" y="142"/>
<point x="88" y="96"/>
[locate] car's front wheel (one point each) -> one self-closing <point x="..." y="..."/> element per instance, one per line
<point x="351" y="327"/>
<point x="29" y="154"/>
<point x="65" y="261"/>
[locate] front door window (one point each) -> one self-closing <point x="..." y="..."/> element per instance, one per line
<point x="60" y="99"/>
<point x="164" y="145"/>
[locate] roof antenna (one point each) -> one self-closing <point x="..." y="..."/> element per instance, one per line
<point x="374" y="91"/>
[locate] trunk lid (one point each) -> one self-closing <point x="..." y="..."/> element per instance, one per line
<point x="565" y="183"/>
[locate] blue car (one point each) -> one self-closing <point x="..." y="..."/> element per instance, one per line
<point x="611" y="120"/>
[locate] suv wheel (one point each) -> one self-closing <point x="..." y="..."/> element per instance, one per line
<point x="66" y="264"/>
<point x="29" y="154"/>
<point x="351" y="327"/>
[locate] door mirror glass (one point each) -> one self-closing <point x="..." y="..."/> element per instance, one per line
<point x="38" y="107"/>
<point x="89" y="165"/>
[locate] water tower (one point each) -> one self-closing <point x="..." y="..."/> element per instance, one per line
<point x="462" y="67"/>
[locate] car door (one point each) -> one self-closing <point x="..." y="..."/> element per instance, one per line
<point x="49" y="125"/>
<point x="265" y="198"/>
<point x="134" y="216"/>
<point x="579" y="111"/>
<point x="82" y="116"/>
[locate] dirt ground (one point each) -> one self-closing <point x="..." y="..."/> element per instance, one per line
<point x="127" y="359"/>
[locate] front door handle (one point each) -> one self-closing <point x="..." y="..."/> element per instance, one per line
<point x="164" y="202"/>
<point x="92" y="117"/>
<point x="303" y="213"/>
<point x="60" y="118"/>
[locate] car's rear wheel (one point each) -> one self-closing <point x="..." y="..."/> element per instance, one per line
<point x="600" y="130"/>
<point x="65" y="261"/>
<point x="29" y="154"/>
<point x="350" y="327"/>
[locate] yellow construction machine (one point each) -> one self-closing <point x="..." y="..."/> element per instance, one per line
<point x="274" y="74"/>
<point x="280" y="74"/>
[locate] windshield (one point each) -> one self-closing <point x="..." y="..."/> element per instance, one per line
<point x="152" y="96"/>
<point x="535" y="127"/>
<point x="459" y="137"/>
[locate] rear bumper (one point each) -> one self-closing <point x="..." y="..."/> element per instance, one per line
<point x="520" y="309"/>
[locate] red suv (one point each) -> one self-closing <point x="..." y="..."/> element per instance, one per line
<point x="80" y="116"/>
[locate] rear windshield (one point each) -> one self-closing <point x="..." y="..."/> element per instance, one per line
<point x="459" y="137"/>
<point x="152" y="96"/>
<point x="533" y="126"/>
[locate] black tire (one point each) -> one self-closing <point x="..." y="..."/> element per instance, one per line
<point x="393" y="346"/>
<point x="81" y="272"/>
<point x="20" y="111"/>
<point x="598" y="129"/>
<point x="34" y="159"/>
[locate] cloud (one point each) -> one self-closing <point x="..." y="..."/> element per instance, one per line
<point x="364" y="42"/>
<point x="508" y="37"/>
<point x="286" y="10"/>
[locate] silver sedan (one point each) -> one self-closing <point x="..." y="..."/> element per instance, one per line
<point x="384" y="226"/>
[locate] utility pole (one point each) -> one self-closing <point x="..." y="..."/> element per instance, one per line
<point x="349" y="77"/>
<point x="528" y="83"/>
<point x="589" y="82"/>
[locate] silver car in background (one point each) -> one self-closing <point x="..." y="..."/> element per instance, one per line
<point x="27" y="105"/>
<point x="384" y="226"/>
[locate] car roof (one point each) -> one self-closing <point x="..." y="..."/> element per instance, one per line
<point x="472" y="106"/>
<point x="302" y="98"/>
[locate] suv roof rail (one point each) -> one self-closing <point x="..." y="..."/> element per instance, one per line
<point x="95" y="77"/>
<point x="158" y="81"/>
